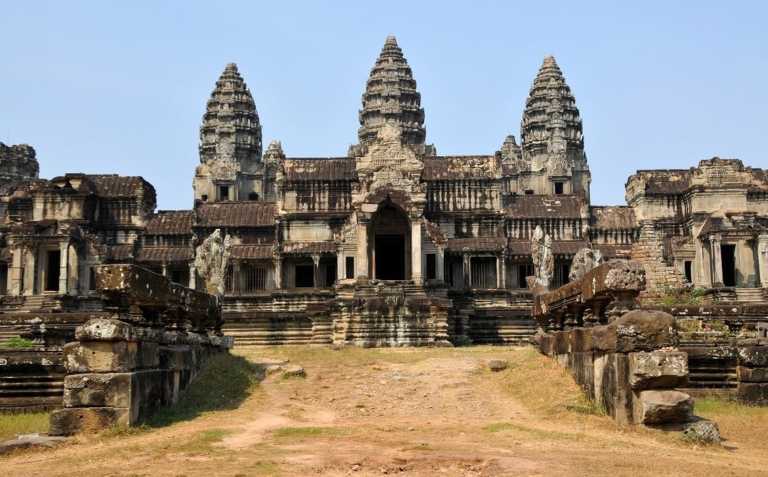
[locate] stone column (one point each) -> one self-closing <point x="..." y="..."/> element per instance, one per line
<point x="316" y="270"/>
<point x="361" y="260"/>
<point x="29" y="271"/>
<point x="503" y="276"/>
<point x="17" y="268"/>
<point x="341" y="273"/>
<point x="702" y="267"/>
<point x="416" y="274"/>
<point x="717" y="261"/>
<point x="498" y="272"/>
<point x="466" y="271"/>
<point x="74" y="270"/>
<point x="165" y="270"/>
<point x="278" y="272"/>
<point x="440" y="265"/>
<point x="762" y="259"/>
<point x="192" y="276"/>
<point x="63" y="266"/>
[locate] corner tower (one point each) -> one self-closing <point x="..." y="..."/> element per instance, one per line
<point x="230" y="143"/>
<point x="551" y="133"/>
<point x="391" y="97"/>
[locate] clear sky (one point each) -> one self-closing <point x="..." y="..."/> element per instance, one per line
<point x="120" y="87"/>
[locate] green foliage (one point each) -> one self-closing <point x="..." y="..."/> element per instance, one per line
<point x="18" y="342"/>
<point x="307" y="432"/>
<point x="683" y="296"/>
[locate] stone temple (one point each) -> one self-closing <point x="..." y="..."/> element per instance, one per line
<point x="391" y="244"/>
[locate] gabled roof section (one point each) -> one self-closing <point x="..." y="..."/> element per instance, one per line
<point x="545" y="206"/>
<point x="171" y="222"/>
<point x="236" y="214"/>
<point x="320" y="169"/>
<point x="444" y="168"/>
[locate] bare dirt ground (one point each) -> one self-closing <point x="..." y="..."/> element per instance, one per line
<point x="407" y="412"/>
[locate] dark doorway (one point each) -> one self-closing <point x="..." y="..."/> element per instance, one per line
<point x="688" y="271"/>
<point x="350" y="266"/>
<point x="728" y="255"/>
<point x="390" y="257"/>
<point x="305" y="276"/>
<point x="431" y="266"/>
<point x="52" y="273"/>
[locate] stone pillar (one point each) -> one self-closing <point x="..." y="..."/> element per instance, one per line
<point x="316" y="270"/>
<point x="165" y="270"/>
<point x="702" y="266"/>
<point x="416" y="274"/>
<point x="192" y="276"/>
<point x="341" y="272"/>
<point x="74" y="270"/>
<point x="466" y="271"/>
<point x="503" y="276"/>
<point x="762" y="259"/>
<point x="278" y="272"/>
<point x="498" y="272"/>
<point x="440" y="265"/>
<point x="717" y="261"/>
<point x="63" y="266"/>
<point x="29" y="271"/>
<point x="361" y="260"/>
<point x="17" y="267"/>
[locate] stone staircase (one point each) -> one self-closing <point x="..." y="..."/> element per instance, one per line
<point x="751" y="295"/>
<point x="31" y="392"/>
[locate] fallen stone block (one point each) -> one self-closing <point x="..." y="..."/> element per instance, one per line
<point x="137" y="390"/>
<point x="496" y="365"/>
<point x="637" y="330"/>
<point x="702" y="431"/>
<point x="68" y="421"/>
<point x="26" y="441"/>
<point x="658" y="369"/>
<point x="655" y="407"/>
<point x="294" y="371"/>
<point x="752" y="375"/>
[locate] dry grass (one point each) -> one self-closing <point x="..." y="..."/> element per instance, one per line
<point x="12" y="425"/>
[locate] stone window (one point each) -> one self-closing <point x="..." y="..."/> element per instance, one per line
<point x="223" y="192"/>
<point x="431" y="266"/>
<point x="205" y="197"/>
<point x="558" y="188"/>
<point x="483" y="272"/>
<point x="528" y="191"/>
<point x="305" y="276"/>
<point x="350" y="267"/>
<point x="253" y="196"/>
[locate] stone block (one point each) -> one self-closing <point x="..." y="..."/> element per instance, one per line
<point x="68" y="421"/>
<point x="657" y="407"/>
<point x="753" y="356"/>
<point x="140" y="391"/>
<point x="637" y="330"/>
<point x="615" y="392"/>
<point x="547" y="344"/>
<point x="177" y="357"/>
<point x="753" y="393"/>
<point x="562" y="342"/>
<point x="658" y="369"/>
<point x="110" y="356"/>
<point x="498" y="364"/>
<point x="752" y="375"/>
<point x="581" y="340"/>
<point x="583" y="371"/>
<point x="105" y="329"/>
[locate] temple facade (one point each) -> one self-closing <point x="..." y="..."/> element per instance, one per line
<point x="391" y="244"/>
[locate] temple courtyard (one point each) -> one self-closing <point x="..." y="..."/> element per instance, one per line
<point x="407" y="411"/>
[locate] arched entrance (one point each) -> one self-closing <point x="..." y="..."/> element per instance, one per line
<point x="391" y="243"/>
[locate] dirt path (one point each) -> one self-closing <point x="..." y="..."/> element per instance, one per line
<point x="406" y="412"/>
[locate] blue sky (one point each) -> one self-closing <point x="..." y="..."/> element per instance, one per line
<point x="120" y="87"/>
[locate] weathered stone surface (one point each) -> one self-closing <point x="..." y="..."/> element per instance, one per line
<point x="752" y="375"/>
<point x="498" y="364"/>
<point x="702" y="431"/>
<point x="26" y="441"/>
<point x="294" y="371"/>
<point x="105" y="329"/>
<point x="755" y="393"/>
<point x="211" y="259"/>
<point x="658" y="369"/>
<point x="585" y="260"/>
<point x="753" y="356"/>
<point x="638" y="330"/>
<point x="68" y="421"/>
<point x="110" y="356"/>
<point x="655" y="407"/>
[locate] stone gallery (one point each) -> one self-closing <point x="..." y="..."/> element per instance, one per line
<point x="391" y="244"/>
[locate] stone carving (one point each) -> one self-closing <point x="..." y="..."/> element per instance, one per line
<point x="211" y="259"/>
<point x="585" y="260"/>
<point x="543" y="260"/>
<point x="18" y="162"/>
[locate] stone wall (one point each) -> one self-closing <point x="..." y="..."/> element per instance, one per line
<point x="629" y="367"/>
<point x="31" y="379"/>
<point x="120" y="369"/>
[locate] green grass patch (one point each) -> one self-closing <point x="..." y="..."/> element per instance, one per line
<point x="203" y="442"/>
<point x="224" y="383"/>
<point x="17" y="342"/>
<point x="307" y="432"/>
<point x="14" y="424"/>
<point x="713" y="406"/>
<point x="531" y="431"/>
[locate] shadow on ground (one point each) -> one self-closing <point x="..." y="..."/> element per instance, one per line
<point x="224" y="383"/>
